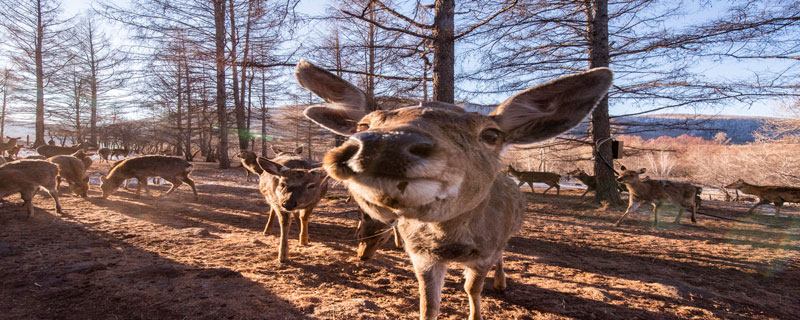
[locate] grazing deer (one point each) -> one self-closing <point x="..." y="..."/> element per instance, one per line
<point x="26" y="177"/>
<point x="249" y="163"/>
<point x="8" y="145"/>
<point x="104" y="154"/>
<point x="290" y="187"/>
<point x="120" y="153"/>
<point x="658" y="192"/>
<point x="436" y="169"/>
<point x="173" y="169"/>
<point x="767" y="194"/>
<point x="529" y="177"/>
<point x="51" y="151"/>
<point x="72" y="169"/>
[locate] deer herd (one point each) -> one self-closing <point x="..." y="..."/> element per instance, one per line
<point x="429" y="174"/>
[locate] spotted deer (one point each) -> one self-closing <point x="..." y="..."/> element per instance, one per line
<point x="173" y="169"/>
<point x="529" y="177"/>
<point x="291" y="188"/>
<point x="767" y="194"/>
<point x="436" y="169"/>
<point x="26" y="177"/>
<point x="658" y="192"/>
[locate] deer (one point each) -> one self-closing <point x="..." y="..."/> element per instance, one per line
<point x="173" y="169"/>
<point x="8" y="145"/>
<point x="72" y="169"/>
<point x="293" y="188"/>
<point x="120" y="153"/>
<point x="104" y="154"/>
<point x="529" y="177"/>
<point x="278" y="151"/>
<point x="777" y="195"/>
<point x="372" y="234"/>
<point x="84" y="157"/>
<point x="435" y="169"/>
<point x="248" y="159"/>
<point x="658" y="192"/>
<point x="28" y="176"/>
<point x="14" y="151"/>
<point x="49" y="150"/>
<point x="586" y="179"/>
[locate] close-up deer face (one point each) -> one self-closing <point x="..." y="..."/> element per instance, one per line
<point x="629" y="176"/>
<point x="433" y="161"/>
<point x="293" y="188"/>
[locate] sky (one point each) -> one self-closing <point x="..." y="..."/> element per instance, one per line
<point x="765" y="108"/>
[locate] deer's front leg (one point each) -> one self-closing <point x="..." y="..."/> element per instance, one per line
<point x="285" y="222"/>
<point x="430" y="275"/>
<point x="760" y="202"/>
<point x="474" y="285"/>
<point x="270" y="220"/>
<point x="304" y="216"/>
<point x="633" y="204"/>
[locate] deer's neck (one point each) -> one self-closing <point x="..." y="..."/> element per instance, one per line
<point x="750" y="188"/>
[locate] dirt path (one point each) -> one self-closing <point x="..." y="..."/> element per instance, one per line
<point x="169" y="258"/>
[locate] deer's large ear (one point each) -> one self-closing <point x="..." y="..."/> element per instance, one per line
<point x="547" y="110"/>
<point x="270" y="167"/>
<point x="346" y="103"/>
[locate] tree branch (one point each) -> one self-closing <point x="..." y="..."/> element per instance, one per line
<point x="472" y="28"/>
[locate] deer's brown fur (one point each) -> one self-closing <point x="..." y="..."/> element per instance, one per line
<point x="26" y="177"/>
<point x="436" y="169"/>
<point x="8" y="145"/>
<point x="767" y="194"/>
<point x="84" y="157"/>
<point x="14" y="151"/>
<point x="50" y="151"/>
<point x="249" y="162"/>
<point x="71" y="169"/>
<point x="658" y="192"/>
<point x="104" y="154"/>
<point x="173" y="169"/>
<point x="291" y="188"/>
<point x="120" y="153"/>
<point x="529" y="177"/>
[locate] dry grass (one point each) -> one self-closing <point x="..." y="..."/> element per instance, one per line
<point x="171" y="257"/>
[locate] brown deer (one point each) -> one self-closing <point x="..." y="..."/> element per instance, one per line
<point x="51" y="151"/>
<point x="173" y="169"/>
<point x="72" y="169"/>
<point x="84" y="157"/>
<point x="585" y="178"/>
<point x="26" y="177"/>
<point x="298" y="151"/>
<point x="14" y="151"/>
<point x="249" y="163"/>
<point x="120" y="153"/>
<point x="658" y="192"/>
<point x="373" y="234"/>
<point x="8" y="145"/>
<point x="291" y="188"/>
<point x="767" y="194"/>
<point x="436" y="169"/>
<point x="104" y="154"/>
<point x="529" y="177"/>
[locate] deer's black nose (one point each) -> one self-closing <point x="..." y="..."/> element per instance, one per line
<point x="289" y="204"/>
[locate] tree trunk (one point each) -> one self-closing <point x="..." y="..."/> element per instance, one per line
<point x="444" y="51"/>
<point x="6" y="80"/>
<point x="188" y="147"/>
<point x="39" y="141"/>
<point x="238" y="105"/>
<point x="219" y="24"/>
<point x="263" y="113"/>
<point x="179" y="114"/>
<point x="597" y="18"/>
<point x="93" y="89"/>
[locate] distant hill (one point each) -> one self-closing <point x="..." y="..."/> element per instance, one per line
<point x="739" y="129"/>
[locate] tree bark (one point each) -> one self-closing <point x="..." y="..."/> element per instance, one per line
<point x="93" y="89"/>
<point x="597" y="18"/>
<point x="444" y="51"/>
<point x="179" y="113"/>
<point x="39" y="141"/>
<point x="219" y="24"/>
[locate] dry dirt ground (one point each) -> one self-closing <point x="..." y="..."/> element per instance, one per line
<point x="173" y="257"/>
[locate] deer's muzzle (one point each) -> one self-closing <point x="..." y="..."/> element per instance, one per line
<point x="384" y="154"/>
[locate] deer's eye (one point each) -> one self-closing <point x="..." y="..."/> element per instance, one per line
<point x="362" y="127"/>
<point x="311" y="186"/>
<point x="490" y="136"/>
<point x="283" y="184"/>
